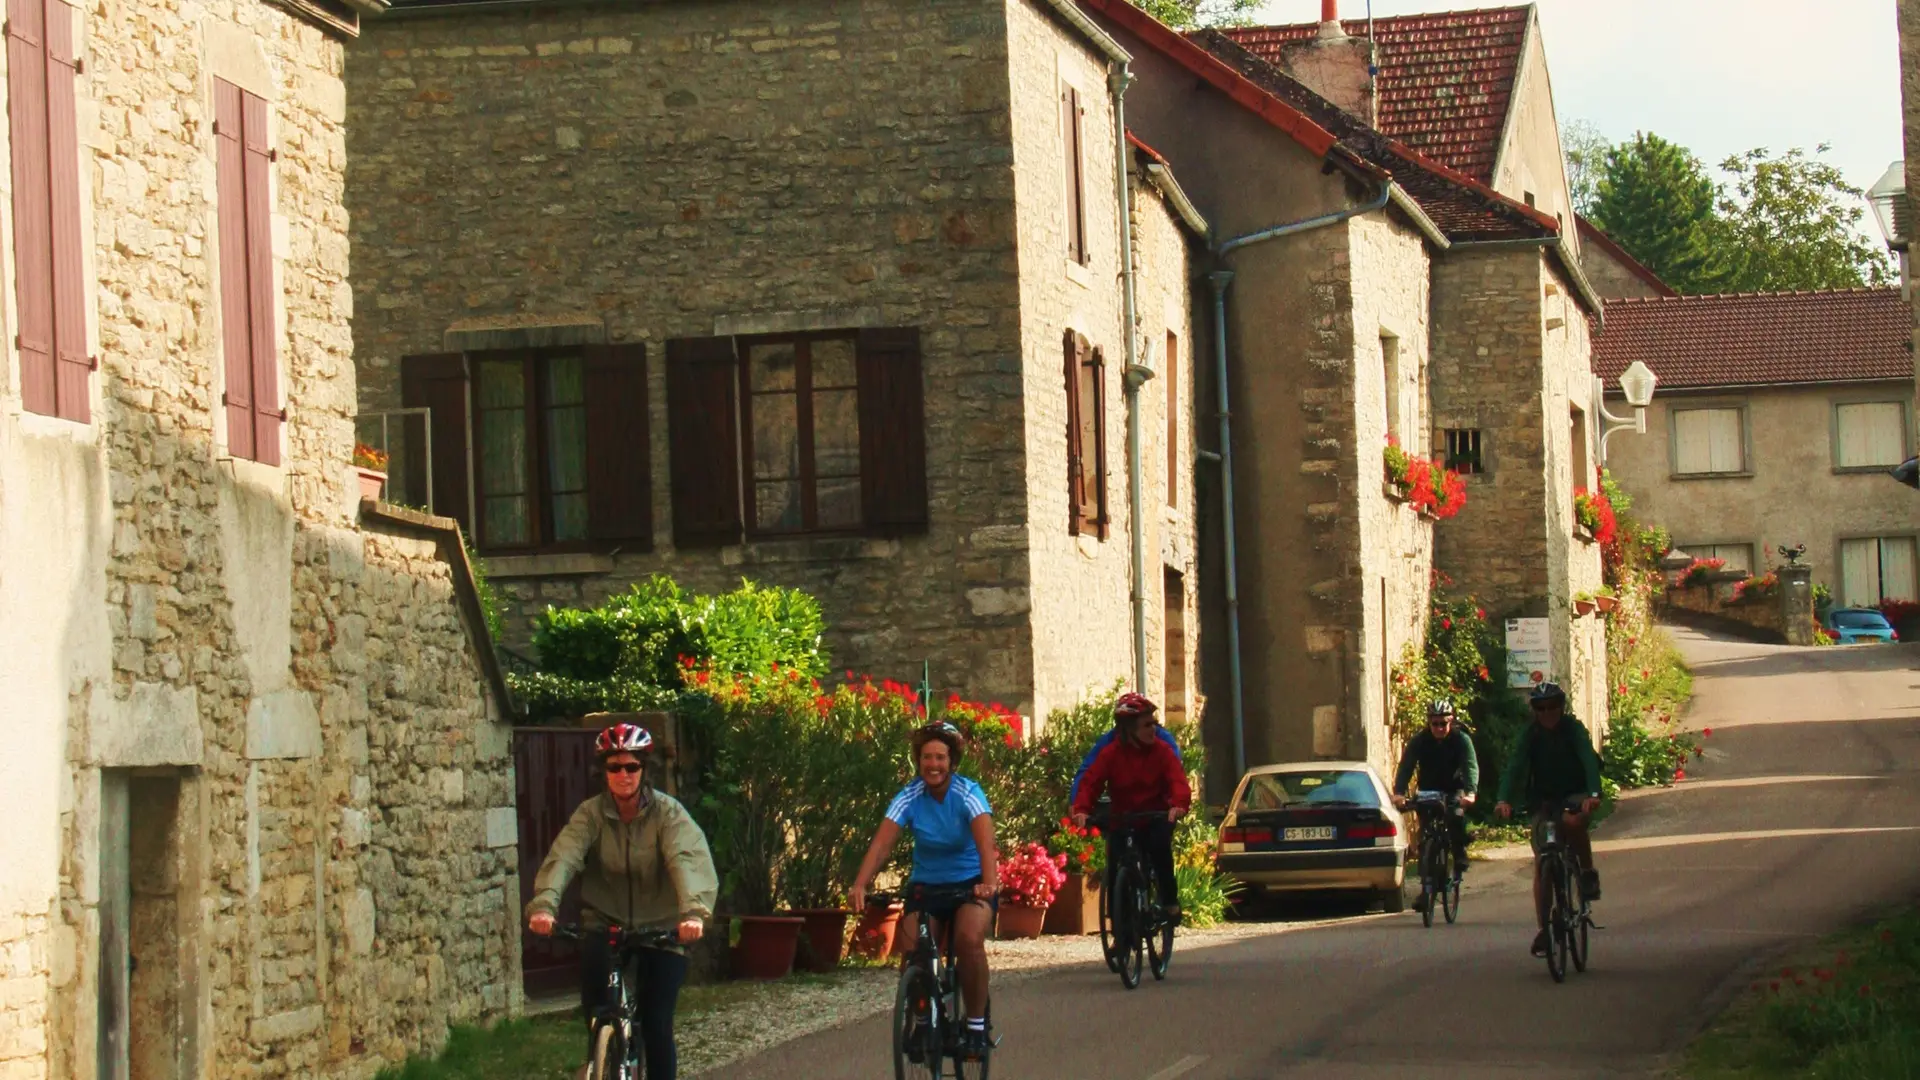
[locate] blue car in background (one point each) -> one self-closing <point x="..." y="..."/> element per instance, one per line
<point x="1860" y="626"/>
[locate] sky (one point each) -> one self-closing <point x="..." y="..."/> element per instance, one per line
<point x="1716" y="76"/>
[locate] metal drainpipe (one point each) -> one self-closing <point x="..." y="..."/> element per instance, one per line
<point x="1119" y="77"/>
<point x="1220" y="280"/>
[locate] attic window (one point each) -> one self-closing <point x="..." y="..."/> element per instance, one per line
<point x="1528" y="196"/>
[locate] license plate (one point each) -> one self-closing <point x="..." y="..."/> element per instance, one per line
<point x="1315" y="832"/>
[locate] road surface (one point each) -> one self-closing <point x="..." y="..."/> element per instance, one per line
<point x="1804" y="815"/>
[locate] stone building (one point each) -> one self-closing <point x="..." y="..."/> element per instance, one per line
<point x="1777" y="417"/>
<point x="1615" y="275"/>
<point x="1908" y="15"/>
<point x="824" y="295"/>
<point x="1511" y="380"/>
<point x="258" y="791"/>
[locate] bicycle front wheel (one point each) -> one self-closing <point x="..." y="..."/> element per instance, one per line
<point x="1429" y="881"/>
<point x="1129" y="944"/>
<point x="1160" y="941"/>
<point x="1557" y="927"/>
<point x="609" y="1054"/>
<point x="1450" y="885"/>
<point x="1577" y="936"/>
<point x="916" y="1027"/>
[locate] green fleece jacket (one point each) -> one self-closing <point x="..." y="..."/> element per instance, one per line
<point x="650" y="872"/>
<point x="1551" y="765"/>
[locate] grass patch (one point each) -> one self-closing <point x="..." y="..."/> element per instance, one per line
<point x="1849" y="1010"/>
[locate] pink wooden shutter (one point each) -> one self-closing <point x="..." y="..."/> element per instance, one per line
<point x="72" y="366"/>
<point x="236" y="340"/>
<point x="268" y="415"/>
<point x="32" y="201"/>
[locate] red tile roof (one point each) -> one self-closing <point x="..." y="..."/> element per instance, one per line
<point x="1445" y="81"/>
<point x="1759" y="339"/>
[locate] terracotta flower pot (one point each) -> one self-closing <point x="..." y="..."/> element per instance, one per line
<point x="873" y="935"/>
<point x="372" y="481"/>
<point x="904" y="935"/>
<point x="1020" y="921"/>
<point x="1606" y="603"/>
<point x="823" y="938"/>
<point x="1583" y="607"/>
<point x="1076" y="906"/>
<point x="767" y="946"/>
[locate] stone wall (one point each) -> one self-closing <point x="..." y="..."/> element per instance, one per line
<point x="1715" y="601"/>
<point x="867" y="178"/>
<point x="1573" y="419"/>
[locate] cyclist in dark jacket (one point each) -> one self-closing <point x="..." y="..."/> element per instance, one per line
<point x="1553" y="764"/>
<point x="1443" y="755"/>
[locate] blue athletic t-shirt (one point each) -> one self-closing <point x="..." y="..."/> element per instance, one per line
<point x="943" y="847"/>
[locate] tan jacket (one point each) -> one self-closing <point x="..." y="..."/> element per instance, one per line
<point x="659" y="859"/>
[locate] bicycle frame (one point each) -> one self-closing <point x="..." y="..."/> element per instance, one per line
<point x="619" y="1006"/>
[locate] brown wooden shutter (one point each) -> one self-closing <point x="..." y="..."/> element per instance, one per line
<point x="1074" y="345"/>
<point x="703" y="442"/>
<point x="1099" y="363"/>
<point x="32" y="201"/>
<point x="1074" y="173"/>
<point x="1173" y="419"/>
<point x="437" y="382"/>
<point x="268" y="414"/>
<point x="619" y="458"/>
<point x="236" y="321"/>
<point x="72" y="365"/>
<point x="893" y="431"/>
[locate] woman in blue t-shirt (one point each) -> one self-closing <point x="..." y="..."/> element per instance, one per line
<point x="952" y="828"/>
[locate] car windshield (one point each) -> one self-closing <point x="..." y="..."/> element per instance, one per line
<point x="1292" y="790"/>
<point x="1860" y="620"/>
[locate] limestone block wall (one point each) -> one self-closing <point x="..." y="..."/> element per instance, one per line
<point x="1573" y="455"/>
<point x="778" y="164"/>
<point x="1531" y="161"/>
<point x="1391" y="306"/>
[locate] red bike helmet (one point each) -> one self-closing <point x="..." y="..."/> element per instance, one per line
<point x="623" y="739"/>
<point x="1131" y="706"/>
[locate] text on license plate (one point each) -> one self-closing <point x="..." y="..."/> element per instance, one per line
<point x="1316" y="832"/>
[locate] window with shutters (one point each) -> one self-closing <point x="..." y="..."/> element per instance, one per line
<point x="1876" y="569"/>
<point x="49" y="273"/>
<point x="796" y="435"/>
<point x="538" y="450"/>
<point x="1086" y="437"/>
<point x="244" y="207"/>
<point x="1869" y="435"/>
<point x="1072" y="145"/>
<point x="1463" y="451"/>
<point x="1710" y="441"/>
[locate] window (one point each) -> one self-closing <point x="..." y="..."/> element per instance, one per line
<point x="802" y="435"/>
<point x="1174" y="645"/>
<point x="1577" y="441"/>
<point x="1390" y="382"/>
<point x="1463" y="451"/>
<point x="245" y="222"/>
<point x="1869" y="435"/>
<point x="796" y="434"/>
<point x="1709" y="441"/>
<point x="1331" y="787"/>
<point x="1172" y="375"/>
<point x="558" y="459"/>
<point x="1086" y="437"/>
<point x="1737" y="556"/>
<point x="1875" y="569"/>
<point x="55" y="367"/>
<point x="1072" y="118"/>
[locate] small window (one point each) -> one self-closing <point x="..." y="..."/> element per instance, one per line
<point x="1463" y="451"/>
<point x="1709" y="442"/>
<point x="1869" y="435"/>
<point x="802" y="435"/>
<point x="1577" y="441"/>
<point x="1736" y="556"/>
<point x="1172" y="376"/>
<point x="1072" y="127"/>
<point x="1086" y="437"/>
<point x="532" y="448"/>
<point x="1528" y="196"/>
<point x="1876" y="569"/>
<point x="1391" y="385"/>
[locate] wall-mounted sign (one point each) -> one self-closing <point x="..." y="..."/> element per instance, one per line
<point x="1529" y="652"/>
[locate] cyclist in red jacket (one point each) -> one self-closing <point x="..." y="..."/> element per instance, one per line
<point x="1140" y="773"/>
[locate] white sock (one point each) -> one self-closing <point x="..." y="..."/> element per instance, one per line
<point x="976" y="1023"/>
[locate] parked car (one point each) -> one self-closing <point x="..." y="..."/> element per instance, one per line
<point x="1860" y="626"/>
<point x="1315" y="826"/>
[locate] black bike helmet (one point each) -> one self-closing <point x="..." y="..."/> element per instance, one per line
<point x="1438" y="708"/>
<point x="1548" y="693"/>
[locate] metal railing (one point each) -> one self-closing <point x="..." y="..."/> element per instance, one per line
<point x="400" y="458"/>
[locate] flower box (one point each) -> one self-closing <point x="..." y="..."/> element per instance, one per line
<point x="372" y="482"/>
<point x="1076" y="906"/>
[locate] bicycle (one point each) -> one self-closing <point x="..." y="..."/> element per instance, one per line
<point x="1439" y="874"/>
<point x="1568" y="920"/>
<point x="927" y="1015"/>
<point x="1141" y="934"/>
<point x="612" y="1028"/>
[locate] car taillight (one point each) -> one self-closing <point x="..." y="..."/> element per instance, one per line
<point x="1246" y="836"/>
<point x="1372" y="830"/>
<point x="1895" y="634"/>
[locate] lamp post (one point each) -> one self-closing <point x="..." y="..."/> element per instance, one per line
<point x="1637" y="382"/>
<point x="1893" y="212"/>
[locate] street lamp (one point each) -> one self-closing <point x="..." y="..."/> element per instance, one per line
<point x="1637" y="383"/>
<point x="1891" y="209"/>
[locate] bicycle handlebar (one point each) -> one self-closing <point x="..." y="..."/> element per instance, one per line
<point x="934" y="894"/>
<point x="1137" y="817"/>
<point x="620" y="935"/>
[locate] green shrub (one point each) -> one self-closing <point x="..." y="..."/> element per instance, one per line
<point x="1206" y="895"/>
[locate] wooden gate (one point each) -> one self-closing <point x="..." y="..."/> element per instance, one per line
<point x="554" y="772"/>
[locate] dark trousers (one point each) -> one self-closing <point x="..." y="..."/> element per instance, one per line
<point x="1156" y="842"/>
<point x="654" y="976"/>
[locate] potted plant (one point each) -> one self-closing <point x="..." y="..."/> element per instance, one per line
<point x="1583" y="604"/>
<point x="1605" y="600"/>
<point x="1029" y="878"/>
<point x="874" y="934"/>
<point x="1698" y="571"/>
<point x="1076" y="904"/>
<point x="1594" y="512"/>
<point x="1395" y="464"/>
<point x="371" y="465"/>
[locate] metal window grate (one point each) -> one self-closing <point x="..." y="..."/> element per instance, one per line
<point x="1463" y="451"/>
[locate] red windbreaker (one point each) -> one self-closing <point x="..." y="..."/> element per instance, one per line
<point x="1137" y="778"/>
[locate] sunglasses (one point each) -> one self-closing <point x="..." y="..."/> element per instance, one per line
<point x="632" y="767"/>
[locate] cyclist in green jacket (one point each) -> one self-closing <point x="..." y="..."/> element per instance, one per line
<point x="1552" y="765"/>
<point x="1443" y="755"/>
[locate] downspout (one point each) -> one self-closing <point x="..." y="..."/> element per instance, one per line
<point x="1136" y="374"/>
<point x="1220" y="280"/>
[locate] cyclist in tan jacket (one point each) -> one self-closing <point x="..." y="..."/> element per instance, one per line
<point x="643" y="863"/>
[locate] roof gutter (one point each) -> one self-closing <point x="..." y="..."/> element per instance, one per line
<point x="1309" y="224"/>
<point x="1162" y="179"/>
<point x="1405" y="204"/>
<point x="1070" y="11"/>
<point x="1577" y="277"/>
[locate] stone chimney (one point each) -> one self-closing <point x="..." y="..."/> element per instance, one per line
<point x="1335" y="65"/>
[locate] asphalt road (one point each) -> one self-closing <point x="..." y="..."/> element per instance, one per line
<point x="1804" y="815"/>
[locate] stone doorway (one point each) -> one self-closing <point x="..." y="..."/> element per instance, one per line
<point x="147" y="973"/>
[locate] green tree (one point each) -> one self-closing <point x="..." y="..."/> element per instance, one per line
<point x="1185" y="14"/>
<point x="1793" y="222"/>
<point x="1657" y="200"/>
<point x="1586" y="153"/>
